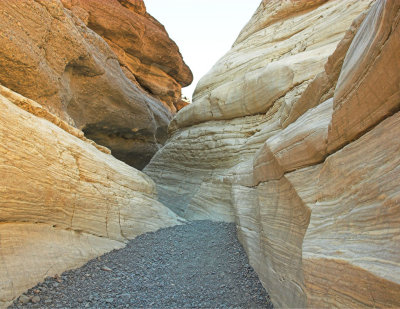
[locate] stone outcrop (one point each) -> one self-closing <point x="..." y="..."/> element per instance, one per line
<point x="106" y="67"/>
<point x="292" y="135"/>
<point x="64" y="199"/>
<point x="145" y="52"/>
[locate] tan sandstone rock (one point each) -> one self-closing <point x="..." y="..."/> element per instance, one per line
<point x="368" y="86"/>
<point x="48" y="54"/>
<point x="351" y="247"/>
<point x="248" y="75"/>
<point x="292" y="135"/>
<point x="63" y="201"/>
<point x="289" y="52"/>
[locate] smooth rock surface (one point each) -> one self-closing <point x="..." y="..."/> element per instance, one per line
<point x="291" y="135"/>
<point x="287" y="51"/>
<point x="50" y="55"/>
<point x="354" y="226"/>
<point x="145" y="52"/>
<point x="63" y="201"/>
<point x="370" y="75"/>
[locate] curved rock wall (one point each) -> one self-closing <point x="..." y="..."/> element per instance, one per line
<point x="64" y="199"/>
<point x="121" y="94"/>
<point x="292" y="135"/>
<point x="145" y="52"/>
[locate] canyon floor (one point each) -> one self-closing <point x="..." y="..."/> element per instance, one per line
<point x="198" y="264"/>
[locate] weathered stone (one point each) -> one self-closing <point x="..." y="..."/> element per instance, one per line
<point x="301" y="144"/>
<point x="368" y="87"/>
<point x="23" y="299"/>
<point x="35" y="299"/>
<point x="48" y="54"/>
<point x="224" y="151"/>
<point x="323" y="85"/>
<point x="181" y="104"/>
<point x="350" y="252"/>
<point x="150" y="58"/>
<point x="288" y="49"/>
<point x="286" y="138"/>
<point x="63" y="201"/>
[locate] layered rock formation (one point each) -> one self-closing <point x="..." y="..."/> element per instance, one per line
<point x="58" y="53"/>
<point x="145" y="52"/>
<point x="292" y="135"/>
<point x="64" y="199"/>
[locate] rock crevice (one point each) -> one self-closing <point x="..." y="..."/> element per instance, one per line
<point x="64" y="198"/>
<point x="72" y="57"/>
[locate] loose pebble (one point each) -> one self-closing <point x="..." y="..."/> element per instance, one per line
<point x="200" y="264"/>
<point x="105" y="268"/>
<point x="23" y="299"/>
<point x="35" y="299"/>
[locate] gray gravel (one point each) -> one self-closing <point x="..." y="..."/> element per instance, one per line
<point x="199" y="264"/>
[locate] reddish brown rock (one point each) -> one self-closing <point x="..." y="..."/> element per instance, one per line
<point x="145" y="51"/>
<point x="181" y="104"/>
<point x="48" y="54"/>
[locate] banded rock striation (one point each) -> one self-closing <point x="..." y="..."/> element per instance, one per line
<point x="292" y="135"/>
<point x="64" y="199"/>
<point x="106" y="67"/>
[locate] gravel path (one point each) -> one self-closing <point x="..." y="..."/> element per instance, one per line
<point x="200" y="264"/>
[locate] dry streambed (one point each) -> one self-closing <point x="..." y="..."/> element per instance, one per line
<point x="199" y="264"/>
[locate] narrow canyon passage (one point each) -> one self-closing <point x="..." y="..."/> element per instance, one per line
<point x="291" y="136"/>
<point x="199" y="264"/>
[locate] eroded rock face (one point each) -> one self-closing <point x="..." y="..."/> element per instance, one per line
<point x="49" y="54"/>
<point x="292" y="136"/>
<point x="64" y="200"/>
<point x="145" y="52"/>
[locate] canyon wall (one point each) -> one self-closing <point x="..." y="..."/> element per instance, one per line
<point x="293" y="135"/>
<point x="64" y="199"/>
<point x="104" y="66"/>
<point x="107" y="68"/>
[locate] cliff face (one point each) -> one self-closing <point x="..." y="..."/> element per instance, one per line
<point x="106" y="67"/>
<point x="147" y="55"/>
<point x="64" y="199"/>
<point x="292" y="135"/>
